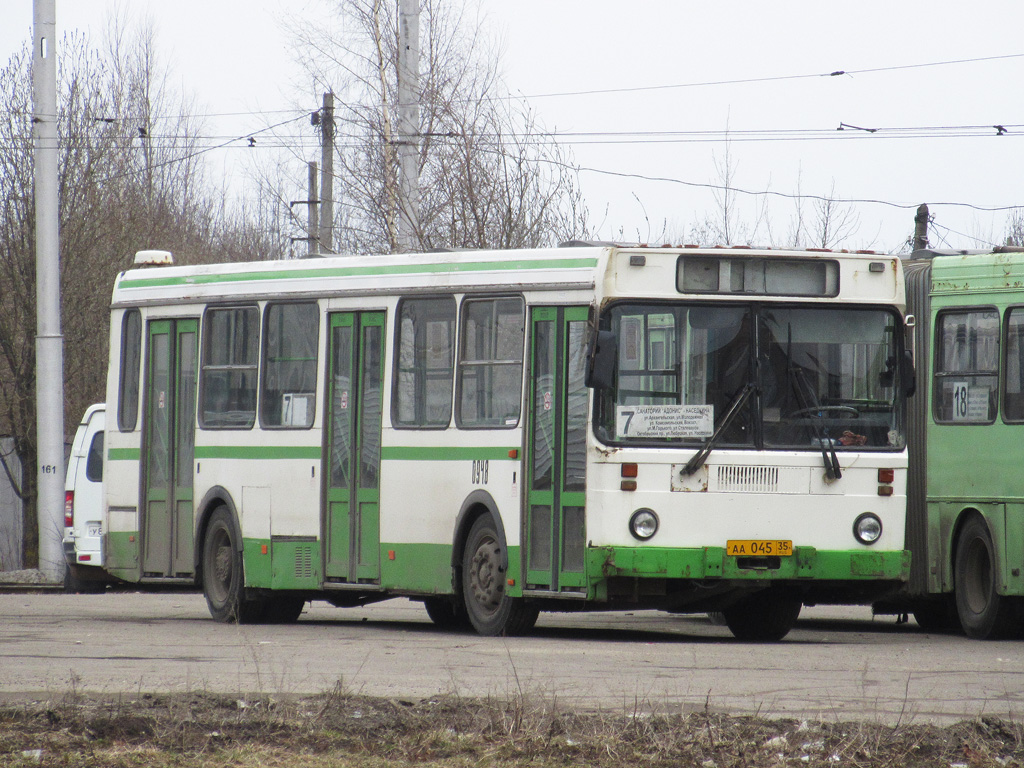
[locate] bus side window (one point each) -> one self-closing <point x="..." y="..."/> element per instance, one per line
<point x="291" y="335"/>
<point x="131" y="358"/>
<point x="966" y="366"/>
<point x="1013" y="399"/>
<point x="490" y="372"/>
<point x="230" y="357"/>
<point x="424" y="358"/>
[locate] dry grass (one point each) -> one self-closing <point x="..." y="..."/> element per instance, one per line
<point x="340" y="729"/>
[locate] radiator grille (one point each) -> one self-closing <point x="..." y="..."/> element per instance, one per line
<point x="748" y="479"/>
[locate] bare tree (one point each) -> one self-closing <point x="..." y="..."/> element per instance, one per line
<point x="1014" y="228"/>
<point x="130" y="178"/>
<point x="489" y="177"/>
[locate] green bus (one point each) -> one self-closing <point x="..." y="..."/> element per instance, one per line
<point x="965" y="516"/>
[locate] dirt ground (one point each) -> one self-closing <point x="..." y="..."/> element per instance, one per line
<point x="341" y="729"/>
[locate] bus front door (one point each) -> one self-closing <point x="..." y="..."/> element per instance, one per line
<point x="168" y="449"/>
<point x="352" y="455"/>
<point x="555" y="462"/>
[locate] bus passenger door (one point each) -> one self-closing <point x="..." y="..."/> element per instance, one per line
<point x="351" y="531"/>
<point x="555" y="462"/>
<point x="168" y="520"/>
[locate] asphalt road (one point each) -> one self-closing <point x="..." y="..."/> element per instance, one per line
<point x="838" y="664"/>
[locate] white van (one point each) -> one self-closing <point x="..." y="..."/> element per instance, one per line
<point x="83" y="506"/>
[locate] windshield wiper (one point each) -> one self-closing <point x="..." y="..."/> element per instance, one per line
<point x="828" y="450"/>
<point x="734" y="407"/>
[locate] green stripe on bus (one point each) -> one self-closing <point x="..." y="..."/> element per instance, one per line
<point x="257" y="452"/>
<point x="418" y="453"/>
<point x="395" y="269"/>
<point x="123" y="454"/>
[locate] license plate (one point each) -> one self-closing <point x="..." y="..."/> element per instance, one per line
<point x="758" y="548"/>
<point x="92" y="529"/>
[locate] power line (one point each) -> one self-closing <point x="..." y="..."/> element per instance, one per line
<point x="197" y="153"/>
<point x="786" y="195"/>
<point x="768" y="79"/>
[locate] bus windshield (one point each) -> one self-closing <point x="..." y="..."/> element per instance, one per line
<point x="820" y="377"/>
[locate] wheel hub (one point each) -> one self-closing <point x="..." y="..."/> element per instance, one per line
<point x="485" y="576"/>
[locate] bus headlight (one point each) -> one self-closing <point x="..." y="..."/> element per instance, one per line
<point x="867" y="528"/>
<point x="643" y="524"/>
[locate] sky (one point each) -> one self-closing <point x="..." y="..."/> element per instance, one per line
<point x="661" y="101"/>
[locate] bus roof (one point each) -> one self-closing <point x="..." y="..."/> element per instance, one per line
<point x="580" y="267"/>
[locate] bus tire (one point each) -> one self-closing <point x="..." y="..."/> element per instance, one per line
<point x="984" y="614"/>
<point x="484" y="565"/>
<point x="283" y="609"/>
<point x="763" y="617"/>
<point x="937" y="617"/>
<point x="447" y="612"/>
<point x="223" y="574"/>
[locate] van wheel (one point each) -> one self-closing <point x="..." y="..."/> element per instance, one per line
<point x="223" y="576"/>
<point x="764" y="617"/>
<point x="484" y="565"/>
<point x="984" y="614"/>
<point x="78" y="586"/>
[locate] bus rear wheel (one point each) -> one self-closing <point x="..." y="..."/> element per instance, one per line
<point x="223" y="576"/>
<point x="763" y="617"/>
<point x="984" y="614"/>
<point x="484" y="565"/>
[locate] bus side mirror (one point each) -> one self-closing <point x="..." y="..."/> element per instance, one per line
<point x="908" y="375"/>
<point x="602" y="353"/>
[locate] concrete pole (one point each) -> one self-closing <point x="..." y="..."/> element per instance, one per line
<point x="921" y="228"/>
<point x="327" y="175"/>
<point x="408" y="124"/>
<point x="311" y="209"/>
<point x="49" y="341"/>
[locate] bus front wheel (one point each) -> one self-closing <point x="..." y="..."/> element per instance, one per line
<point x="764" y="617"/>
<point x="223" y="579"/>
<point x="984" y="614"/>
<point x="484" y="568"/>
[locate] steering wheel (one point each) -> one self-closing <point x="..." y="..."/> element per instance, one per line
<point x="848" y="410"/>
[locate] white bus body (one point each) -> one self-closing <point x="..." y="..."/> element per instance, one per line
<point x="358" y="428"/>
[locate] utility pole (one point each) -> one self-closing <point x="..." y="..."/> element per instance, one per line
<point x="408" y="123"/>
<point x="311" y="209"/>
<point x="921" y="227"/>
<point x="327" y="175"/>
<point x="49" y="341"/>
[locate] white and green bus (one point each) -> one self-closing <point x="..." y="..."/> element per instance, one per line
<point x="498" y="433"/>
